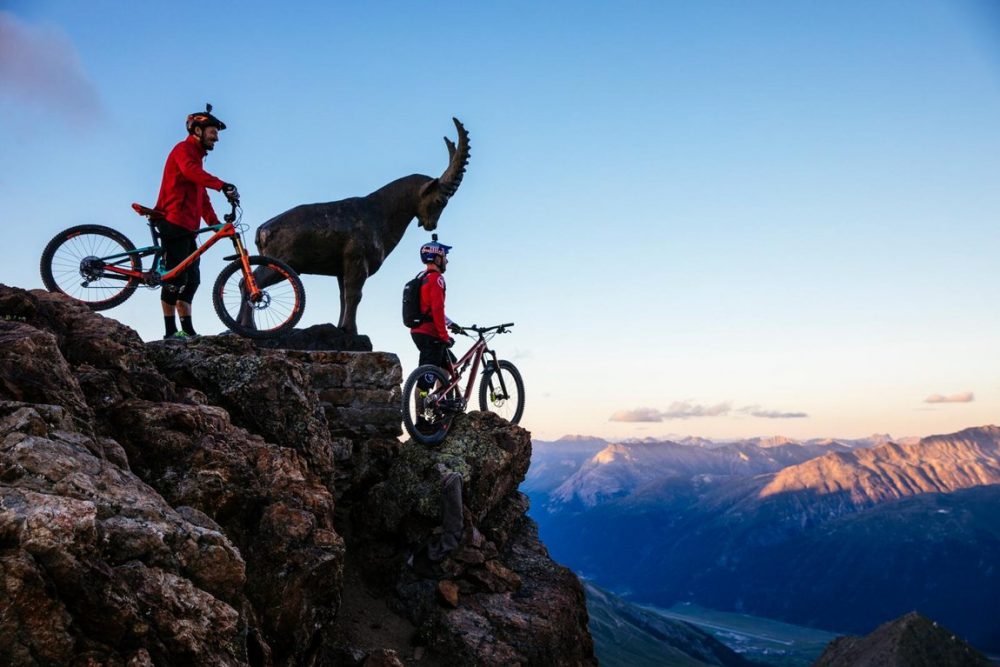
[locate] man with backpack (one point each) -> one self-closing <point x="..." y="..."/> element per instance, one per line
<point x="428" y="324"/>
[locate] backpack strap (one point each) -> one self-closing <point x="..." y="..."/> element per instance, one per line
<point x="425" y="316"/>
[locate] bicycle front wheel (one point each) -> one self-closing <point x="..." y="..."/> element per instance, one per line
<point x="427" y="414"/>
<point x="279" y="308"/>
<point x="501" y="391"/>
<point x="76" y="261"/>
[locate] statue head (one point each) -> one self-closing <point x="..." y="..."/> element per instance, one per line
<point x="434" y="194"/>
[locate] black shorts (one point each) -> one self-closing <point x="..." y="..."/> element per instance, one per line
<point x="178" y="244"/>
<point x="433" y="351"/>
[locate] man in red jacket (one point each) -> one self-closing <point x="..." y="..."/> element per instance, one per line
<point x="431" y="337"/>
<point x="184" y="202"/>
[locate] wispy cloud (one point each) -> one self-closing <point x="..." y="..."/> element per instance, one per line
<point x="964" y="397"/>
<point x="677" y="410"/>
<point x="39" y="65"/>
<point x="776" y="414"/>
<point x="637" y="415"/>
<point x="688" y="410"/>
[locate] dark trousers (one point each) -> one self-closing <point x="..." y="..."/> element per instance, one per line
<point x="433" y="351"/>
<point x="178" y="243"/>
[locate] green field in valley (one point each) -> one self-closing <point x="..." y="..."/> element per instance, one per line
<point x="760" y="639"/>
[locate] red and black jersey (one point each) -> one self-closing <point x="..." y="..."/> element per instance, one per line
<point x="183" y="197"/>
<point x="432" y="294"/>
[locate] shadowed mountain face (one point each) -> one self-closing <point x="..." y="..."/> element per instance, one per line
<point x="842" y="540"/>
<point x="626" y="635"/>
<point x="913" y="641"/>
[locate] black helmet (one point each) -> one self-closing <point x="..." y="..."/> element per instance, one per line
<point x="203" y="119"/>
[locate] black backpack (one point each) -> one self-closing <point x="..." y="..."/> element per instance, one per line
<point x="413" y="316"/>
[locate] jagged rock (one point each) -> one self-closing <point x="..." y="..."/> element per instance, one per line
<point x="94" y="563"/>
<point x="196" y="503"/>
<point x="910" y="641"/>
<point x="264" y="392"/>
<point x="517" y="606"/>
<point x="278" y="512"/>
<point x="383" y="658"/>
<point x="448" y="593"/>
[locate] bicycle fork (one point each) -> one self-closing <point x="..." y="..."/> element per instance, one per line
<point x="494" y="364"/>
<point x="250" y="283"/>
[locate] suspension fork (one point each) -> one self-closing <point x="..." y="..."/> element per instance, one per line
<point x="253" y="291"/>
<point x="495" y="364"/>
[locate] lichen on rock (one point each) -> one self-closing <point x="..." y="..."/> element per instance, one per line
<point x="224" y="503"/>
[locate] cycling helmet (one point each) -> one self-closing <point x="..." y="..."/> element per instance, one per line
<point x="429" y="251"/>
<point x="203" y="119"/>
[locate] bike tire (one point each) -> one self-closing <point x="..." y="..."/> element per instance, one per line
<point x="80" y="253"/>
<point x="492" y="397"/>
<point x="433" y="427"/>
<point x="281" y="307"/>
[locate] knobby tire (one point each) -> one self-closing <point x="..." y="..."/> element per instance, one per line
<point x="436" y="423"/>
<point x="74" y="256"/>
<point x="491" y="396"/>
<point x="284" y="298"/>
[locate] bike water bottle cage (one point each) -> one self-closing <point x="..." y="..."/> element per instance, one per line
<point x="203" y="119"/>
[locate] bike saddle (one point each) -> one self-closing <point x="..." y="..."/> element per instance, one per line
<point x="151" y="213"/>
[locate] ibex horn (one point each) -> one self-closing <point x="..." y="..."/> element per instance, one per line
<point x="458" y="158"/>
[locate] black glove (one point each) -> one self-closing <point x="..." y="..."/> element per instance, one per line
<point x="232" y="194"/>
<point x="455" y="328"/>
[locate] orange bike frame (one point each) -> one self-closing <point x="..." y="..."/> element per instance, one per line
<point x="226" y="230"/>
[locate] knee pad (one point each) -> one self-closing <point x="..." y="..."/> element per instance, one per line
<point x="192" y="279"/>
<point x="186" y="293"/>
<point x="170" y="293"/>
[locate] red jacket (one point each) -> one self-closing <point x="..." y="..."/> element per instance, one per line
<point x="432" y="303"/>
<point x="183" y="196"/>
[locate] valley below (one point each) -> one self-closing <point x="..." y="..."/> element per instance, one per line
<point x="831" y="537"/>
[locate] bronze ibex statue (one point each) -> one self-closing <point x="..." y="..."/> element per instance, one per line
<point x="351" y="238"/>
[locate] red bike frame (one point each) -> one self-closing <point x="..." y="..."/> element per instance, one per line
<point x="473" y="356"/>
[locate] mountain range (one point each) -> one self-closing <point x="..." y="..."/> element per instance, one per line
<point x="837" y="534"/>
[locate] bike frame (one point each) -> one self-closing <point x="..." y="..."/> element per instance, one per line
<point x="226" y="230"/>
<point x="473" y="356"/>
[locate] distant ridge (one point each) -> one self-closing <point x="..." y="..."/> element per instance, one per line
<point x="580" y="438"/>
<point x="938" y="464"/>
<point x="823" y="535"/>
<point x="910" y="641"/>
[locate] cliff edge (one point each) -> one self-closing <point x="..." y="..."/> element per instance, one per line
<point x="214" y="502"/>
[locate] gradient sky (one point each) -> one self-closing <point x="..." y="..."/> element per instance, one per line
<point x="713" y="218"/>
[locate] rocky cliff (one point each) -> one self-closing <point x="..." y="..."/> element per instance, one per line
<point x="218" y="503"/>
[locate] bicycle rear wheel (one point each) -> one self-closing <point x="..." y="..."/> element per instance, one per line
<point x="75" y="263"/>
<point x="281" y="303"/>
<point x="501" y="391"/>
<point x="427" y="415"/>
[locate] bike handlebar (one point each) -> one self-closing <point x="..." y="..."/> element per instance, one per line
<point x="499" y="328"/>
<point x="231" y="216"/>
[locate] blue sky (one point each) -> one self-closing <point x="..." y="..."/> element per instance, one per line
<point x="713" y="218"/>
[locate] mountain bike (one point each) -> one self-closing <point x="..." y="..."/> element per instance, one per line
<point x="254" y="296"/>
<point x="428" y="412"/>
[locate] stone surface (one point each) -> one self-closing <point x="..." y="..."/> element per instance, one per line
<point x="319" y="337"/>
<point x="216" y="502"/>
